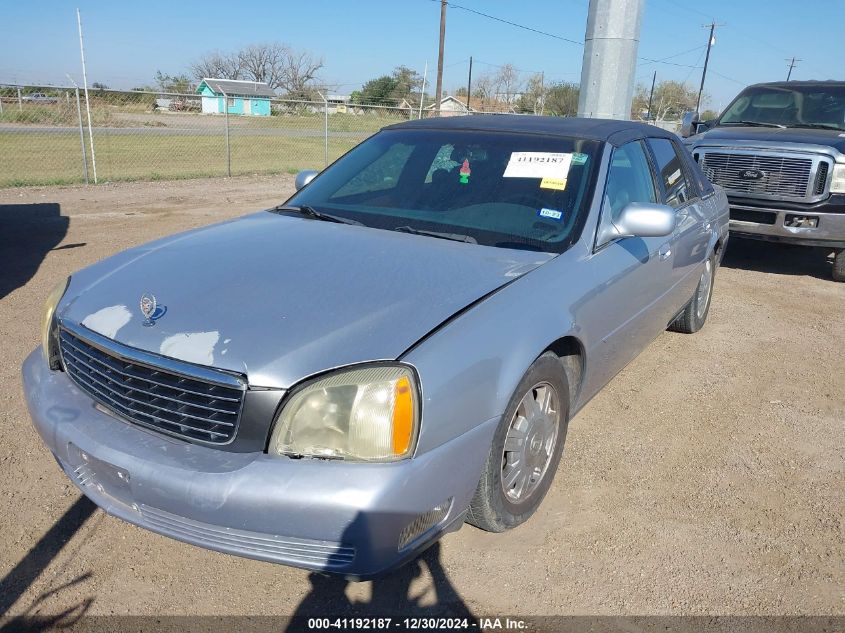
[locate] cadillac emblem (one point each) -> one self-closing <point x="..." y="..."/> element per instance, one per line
<point x="148" y="308"/>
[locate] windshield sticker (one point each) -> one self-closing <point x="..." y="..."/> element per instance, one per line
<point x="551" y="214"/>
<point x="538" y="165"/>
<point x="465" y="172"/>
<point x="579" y="159"/>
<point x="553" y="183"/>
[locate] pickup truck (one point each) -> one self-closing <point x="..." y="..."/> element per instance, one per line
<point x="39" y="97"/>
<point x="779" y="152"/>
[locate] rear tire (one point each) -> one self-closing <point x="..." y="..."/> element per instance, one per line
<point x="839" y="265"/>
<point x="695" y="313"/>
<point x="526" y="449"/>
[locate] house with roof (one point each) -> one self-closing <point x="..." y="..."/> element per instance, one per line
<point x="235" y="96"/>
<point x="450" y="106"/>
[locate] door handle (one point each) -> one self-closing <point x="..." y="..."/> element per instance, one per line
<point x="664" y="252"/>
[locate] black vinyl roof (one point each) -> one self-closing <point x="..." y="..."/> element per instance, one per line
<point x="607" y="130"/>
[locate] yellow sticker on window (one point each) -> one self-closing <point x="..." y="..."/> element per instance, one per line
<point x="553" y="183"/>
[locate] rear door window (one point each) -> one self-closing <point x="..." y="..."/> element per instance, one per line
<point x="672" y="172"/>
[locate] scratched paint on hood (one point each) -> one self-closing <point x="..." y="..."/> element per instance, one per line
<point x="108" y="321"/>
<point x="192" y="347"/>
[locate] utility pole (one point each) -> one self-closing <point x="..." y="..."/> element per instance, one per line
<point x="438" y="93"/>
<point x="791" y="66"/>
<point x="610" y="58"/>
<point x="651" y="96"/>
<point x="422" y="90"/>
<point x="469" y="83"/>
<point x="710" y="41"/>
<point x="87" y="102"/>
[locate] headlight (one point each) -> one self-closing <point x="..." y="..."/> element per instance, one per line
<point x="49" y="342"/>
<point x="837" y="183"/>
<point x="365" y="414"/>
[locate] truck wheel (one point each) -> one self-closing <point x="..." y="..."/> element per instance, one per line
<point x="526" y="449"/>
<point x="695" y="313"/>
<point x="839" y="265"/>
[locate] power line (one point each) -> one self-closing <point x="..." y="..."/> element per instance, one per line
<point x="515" y="24"/>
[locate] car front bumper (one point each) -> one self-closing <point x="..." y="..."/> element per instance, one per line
<point x="332" y="516"/>
<point x="780" y="225"/>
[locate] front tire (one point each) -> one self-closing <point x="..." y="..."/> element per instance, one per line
<point x="839" y="265"/>
<point x="695" y="313"/>
<point x="526" y="449"/>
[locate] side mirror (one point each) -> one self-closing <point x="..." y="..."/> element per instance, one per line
<point x="689" y="124"/>
<point x="304" y="177"/>
<point x="703" y="126"/>
<point x="640" y="219"/>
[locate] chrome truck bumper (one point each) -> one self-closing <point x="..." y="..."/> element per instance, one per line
<point x="785" y="225"/>
<point x="347" y="518"/>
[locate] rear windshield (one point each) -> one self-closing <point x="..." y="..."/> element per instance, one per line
<point x="497" y="189"/>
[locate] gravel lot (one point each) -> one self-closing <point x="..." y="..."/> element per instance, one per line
<point x="707" y="478"/>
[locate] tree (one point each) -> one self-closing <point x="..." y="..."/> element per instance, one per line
<point x="508" y="83"/>
<point x="671" y="99"/>
<point x="378" y="91"/>
<point x="217" y="65"/>
<point x="562" y="99"/>
<point x="274" y="63"/>
<point x="403" y="83"/>
<point x="173" y="83"/>
<point x="533" y="96"/>
<point x="484" y="89"/>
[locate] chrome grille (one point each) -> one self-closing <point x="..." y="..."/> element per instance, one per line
<point x="780" y="176"/>
<point x="153" y="396"/>
<point x="821" y="178"/>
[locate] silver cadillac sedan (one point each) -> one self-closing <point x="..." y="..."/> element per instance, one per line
<point x="336" y="382"/>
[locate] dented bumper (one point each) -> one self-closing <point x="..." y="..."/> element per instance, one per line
<point x="346" y="518"/>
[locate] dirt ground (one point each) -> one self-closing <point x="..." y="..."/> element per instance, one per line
<point x="707" y="478"/>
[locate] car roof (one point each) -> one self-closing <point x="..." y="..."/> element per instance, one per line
<point x="606" y="130"/>
<point x="810" y="83"/>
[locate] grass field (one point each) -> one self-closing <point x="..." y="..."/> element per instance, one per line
<point x="36" y="157"/>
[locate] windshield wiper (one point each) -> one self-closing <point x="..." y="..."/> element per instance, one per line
<point x="455" y="237"/>
<point x="755" y="124"/>
<point x="311" y="212"/>
<point x="818" y="126"/>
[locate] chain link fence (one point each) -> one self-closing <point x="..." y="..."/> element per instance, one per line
<point x="45" y="137"/>
<point x="48" y="136"/>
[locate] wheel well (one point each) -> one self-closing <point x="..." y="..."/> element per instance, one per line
<point x="571" y="354"/>
<point x="717" y="250"/>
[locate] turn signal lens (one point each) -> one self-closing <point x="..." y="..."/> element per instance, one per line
<point x="403" y="416"/>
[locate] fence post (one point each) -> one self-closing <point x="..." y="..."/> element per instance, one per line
<point x="325" y="128"/>
<point x="20" y="105"/>
<point x="81" y="137"/>
<point x="228" y="149"/>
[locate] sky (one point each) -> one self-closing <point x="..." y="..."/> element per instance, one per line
<point x="127" y="42"/>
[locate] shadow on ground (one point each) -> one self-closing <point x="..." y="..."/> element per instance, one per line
<point x="780" y="259"/>
<point x="27" y="233"/>
<point x="15" y="583"/>
<point x="391" y="595"/>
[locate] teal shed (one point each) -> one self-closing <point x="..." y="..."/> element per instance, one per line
<point x="239" y="97"/>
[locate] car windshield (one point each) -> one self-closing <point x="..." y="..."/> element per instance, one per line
<point x="508" y="190"/>
<point x="821" y="106"/>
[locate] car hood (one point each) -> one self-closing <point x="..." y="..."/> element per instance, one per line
<point x="280" y="298"/>
<point x="768" y="135"/>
